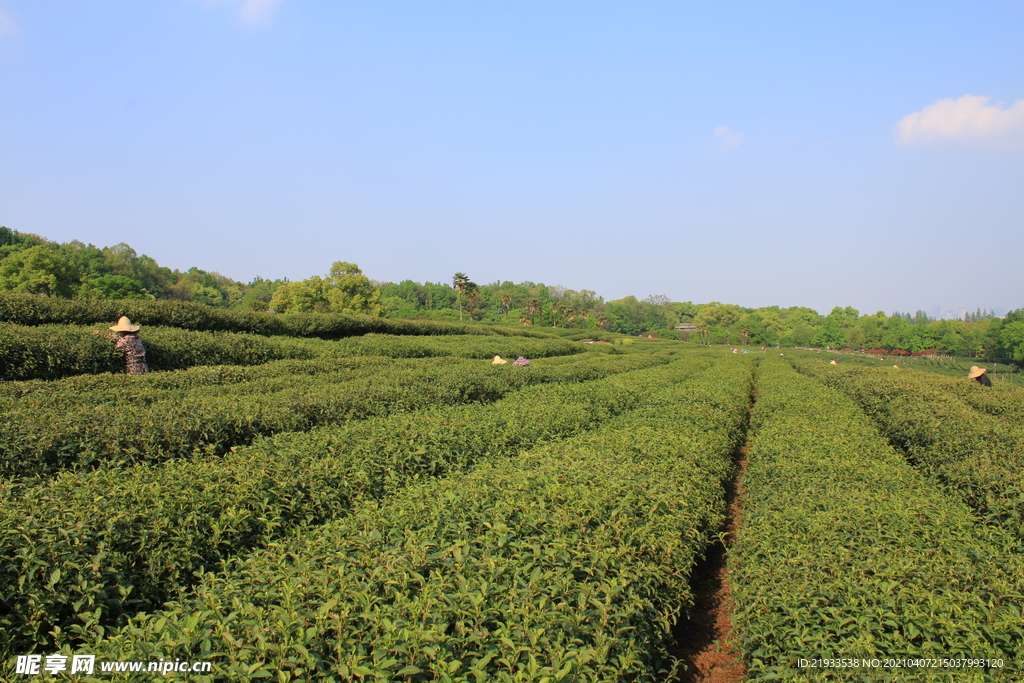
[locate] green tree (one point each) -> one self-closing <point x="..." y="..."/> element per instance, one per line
<point x="306" y="296"/>
<point x="438" y="296"/>
<point x="344" y="290"/>
<point x="196" y="285"/>
<point x="757" y="331"/>
<point x="829" y="334"/>
<point x="832" y="330"/>
<point x="153" y="277"/>
<point x="505" y="296"/>
<point x="8" y="237"/>
<point x="847" y="315"/>
<point x="473" y="297"/>
<point x="258" y="293"/>
<point x="89" y="259"/>
<point x="868" y="331"/>
<point x="208" y="295"/>
<point x="532" y="307"/>
<point x="685" y="310"/>
<point x="12" y="241"/>
<point x="897" y="334"/>
<point x="41" y="269"/>
<point x="459" y="283"/>
<point x="790" y="316"/>
<point x="976" y="337"/>
<point x="113" y="287"/>
<point x="800" y="334"/>
<point x="1011" y="339"/>
<point x="631" y="316"/>
<point x="349" y="291"/>
<point x="718" y="315"/>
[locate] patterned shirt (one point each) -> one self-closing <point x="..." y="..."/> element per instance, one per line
<point x="134" y="353"/>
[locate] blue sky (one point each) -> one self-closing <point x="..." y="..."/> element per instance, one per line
<point x="814" y="154"/>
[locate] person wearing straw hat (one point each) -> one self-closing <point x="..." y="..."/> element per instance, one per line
<point x="127" y="338"/>
<point x="978" y="374"/>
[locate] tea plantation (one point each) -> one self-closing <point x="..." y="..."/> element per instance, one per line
<point x="333" y="499"/>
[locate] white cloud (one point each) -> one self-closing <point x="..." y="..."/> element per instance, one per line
<point x="970" y="116"/>
<point x="726" y="139"/>
<point x="9" y="24"/>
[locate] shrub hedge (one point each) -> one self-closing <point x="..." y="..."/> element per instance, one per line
<point x="120" y="387"/>
<point x="846" y="551"/>
<point x="114" y="388"/>
<point x="55" y="351"/>
<point x="84" y="550"/>
<point x="999" y="400"/>
<point x="568" y="563"/>
<point x="27" y="309"/>
<point x="466" y="347"/>
<point x="977" y="455"/>
<point x="85" y="434"/>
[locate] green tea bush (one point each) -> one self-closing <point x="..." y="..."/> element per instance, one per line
<point x="84" y="434"/>
<point x="977" y="455"/>
<point x="1000" y="400"/>
<point x="116" y="388"/>
<point x="120" y="387"/>
<point x="152" y="528"/>
<point x="26" y="309"/>
<point x="54" y="351"/>
<point x="568" y="563"/>
<point x="846" y="551"/>
<point x="466" y="347"/>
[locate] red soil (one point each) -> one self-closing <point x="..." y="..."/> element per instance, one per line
<point x="705" y="640"/>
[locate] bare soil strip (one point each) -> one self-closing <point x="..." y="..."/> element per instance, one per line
<point x="704" y="639"/>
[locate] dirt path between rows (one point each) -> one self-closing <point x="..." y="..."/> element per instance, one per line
<point x="705" y="639"/>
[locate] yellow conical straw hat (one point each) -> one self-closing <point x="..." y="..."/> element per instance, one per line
<point x="124" y="325"/>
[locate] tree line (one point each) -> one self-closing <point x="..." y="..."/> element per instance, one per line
<point x="34" y="265"/>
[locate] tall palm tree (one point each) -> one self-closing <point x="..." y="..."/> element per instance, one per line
<point x="506" y="300"/>
<point x="556" y="311"/>
<point x="472" y="296"/>
<point x="532" y="307"/>
<point x="459" y="282"/>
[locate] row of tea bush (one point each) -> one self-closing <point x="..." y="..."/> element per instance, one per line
<point x="567" y="563"/>
<point x="847" y="552"/>
<point x="87" y="549"/>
